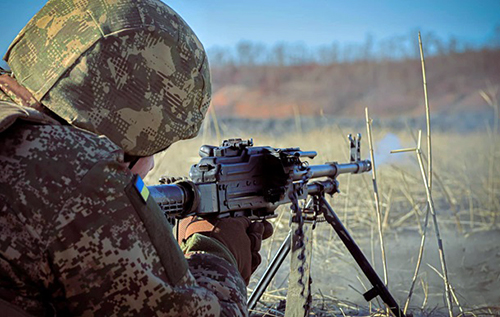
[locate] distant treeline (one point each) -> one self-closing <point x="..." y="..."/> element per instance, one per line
<point x="400" y="47"/>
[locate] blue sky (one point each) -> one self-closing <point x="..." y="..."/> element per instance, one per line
<point x="312" y="22"/>
<point x="317" y="22"/>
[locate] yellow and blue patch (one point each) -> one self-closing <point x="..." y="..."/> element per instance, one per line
<point x="141" y="188"/>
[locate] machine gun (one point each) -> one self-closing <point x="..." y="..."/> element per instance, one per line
<point x="239" y="179"/>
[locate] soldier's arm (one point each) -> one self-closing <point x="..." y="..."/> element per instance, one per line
<point x="114" y="255"/>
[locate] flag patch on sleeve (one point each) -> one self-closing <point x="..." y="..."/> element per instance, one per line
<point x="141" y="188"/>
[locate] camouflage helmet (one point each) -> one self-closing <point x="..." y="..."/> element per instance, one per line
<point x="132" y="70"/>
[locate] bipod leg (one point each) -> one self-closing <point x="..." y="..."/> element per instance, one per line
<point x="271" y="269"/>
<point x="298" y="297"/>
<point x="379" y="288"/>
<point x="270" y="272"/>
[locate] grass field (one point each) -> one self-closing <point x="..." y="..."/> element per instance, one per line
<point x="466" y="196"/>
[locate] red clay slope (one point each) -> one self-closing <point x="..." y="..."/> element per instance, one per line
<point x="389" y="89"/>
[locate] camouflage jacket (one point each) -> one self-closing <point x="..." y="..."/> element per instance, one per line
<point x="77" y="238"/>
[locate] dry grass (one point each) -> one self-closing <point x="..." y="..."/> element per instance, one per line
<point x="464" y="178"/>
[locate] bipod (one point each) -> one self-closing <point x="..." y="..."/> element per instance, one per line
<point x="378" y="287"/>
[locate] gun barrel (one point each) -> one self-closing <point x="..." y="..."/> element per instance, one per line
<point x="332" y="170"/>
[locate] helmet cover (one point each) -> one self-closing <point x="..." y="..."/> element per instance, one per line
<point x="132" y="70"/>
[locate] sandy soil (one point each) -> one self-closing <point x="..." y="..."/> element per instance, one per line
<point x="472" y="261"/>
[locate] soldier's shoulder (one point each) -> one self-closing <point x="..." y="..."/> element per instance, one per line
<point x="54" y="157"/>
<point x="63" y="144"/>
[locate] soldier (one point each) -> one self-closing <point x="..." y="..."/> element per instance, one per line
<point x="97" y="87"/>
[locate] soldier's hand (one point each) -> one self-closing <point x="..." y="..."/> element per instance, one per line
<point x="171" y="179"/>
<point x="241" y="236"/>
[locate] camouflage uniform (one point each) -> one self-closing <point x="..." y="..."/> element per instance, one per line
<point x="76" y="236"/>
